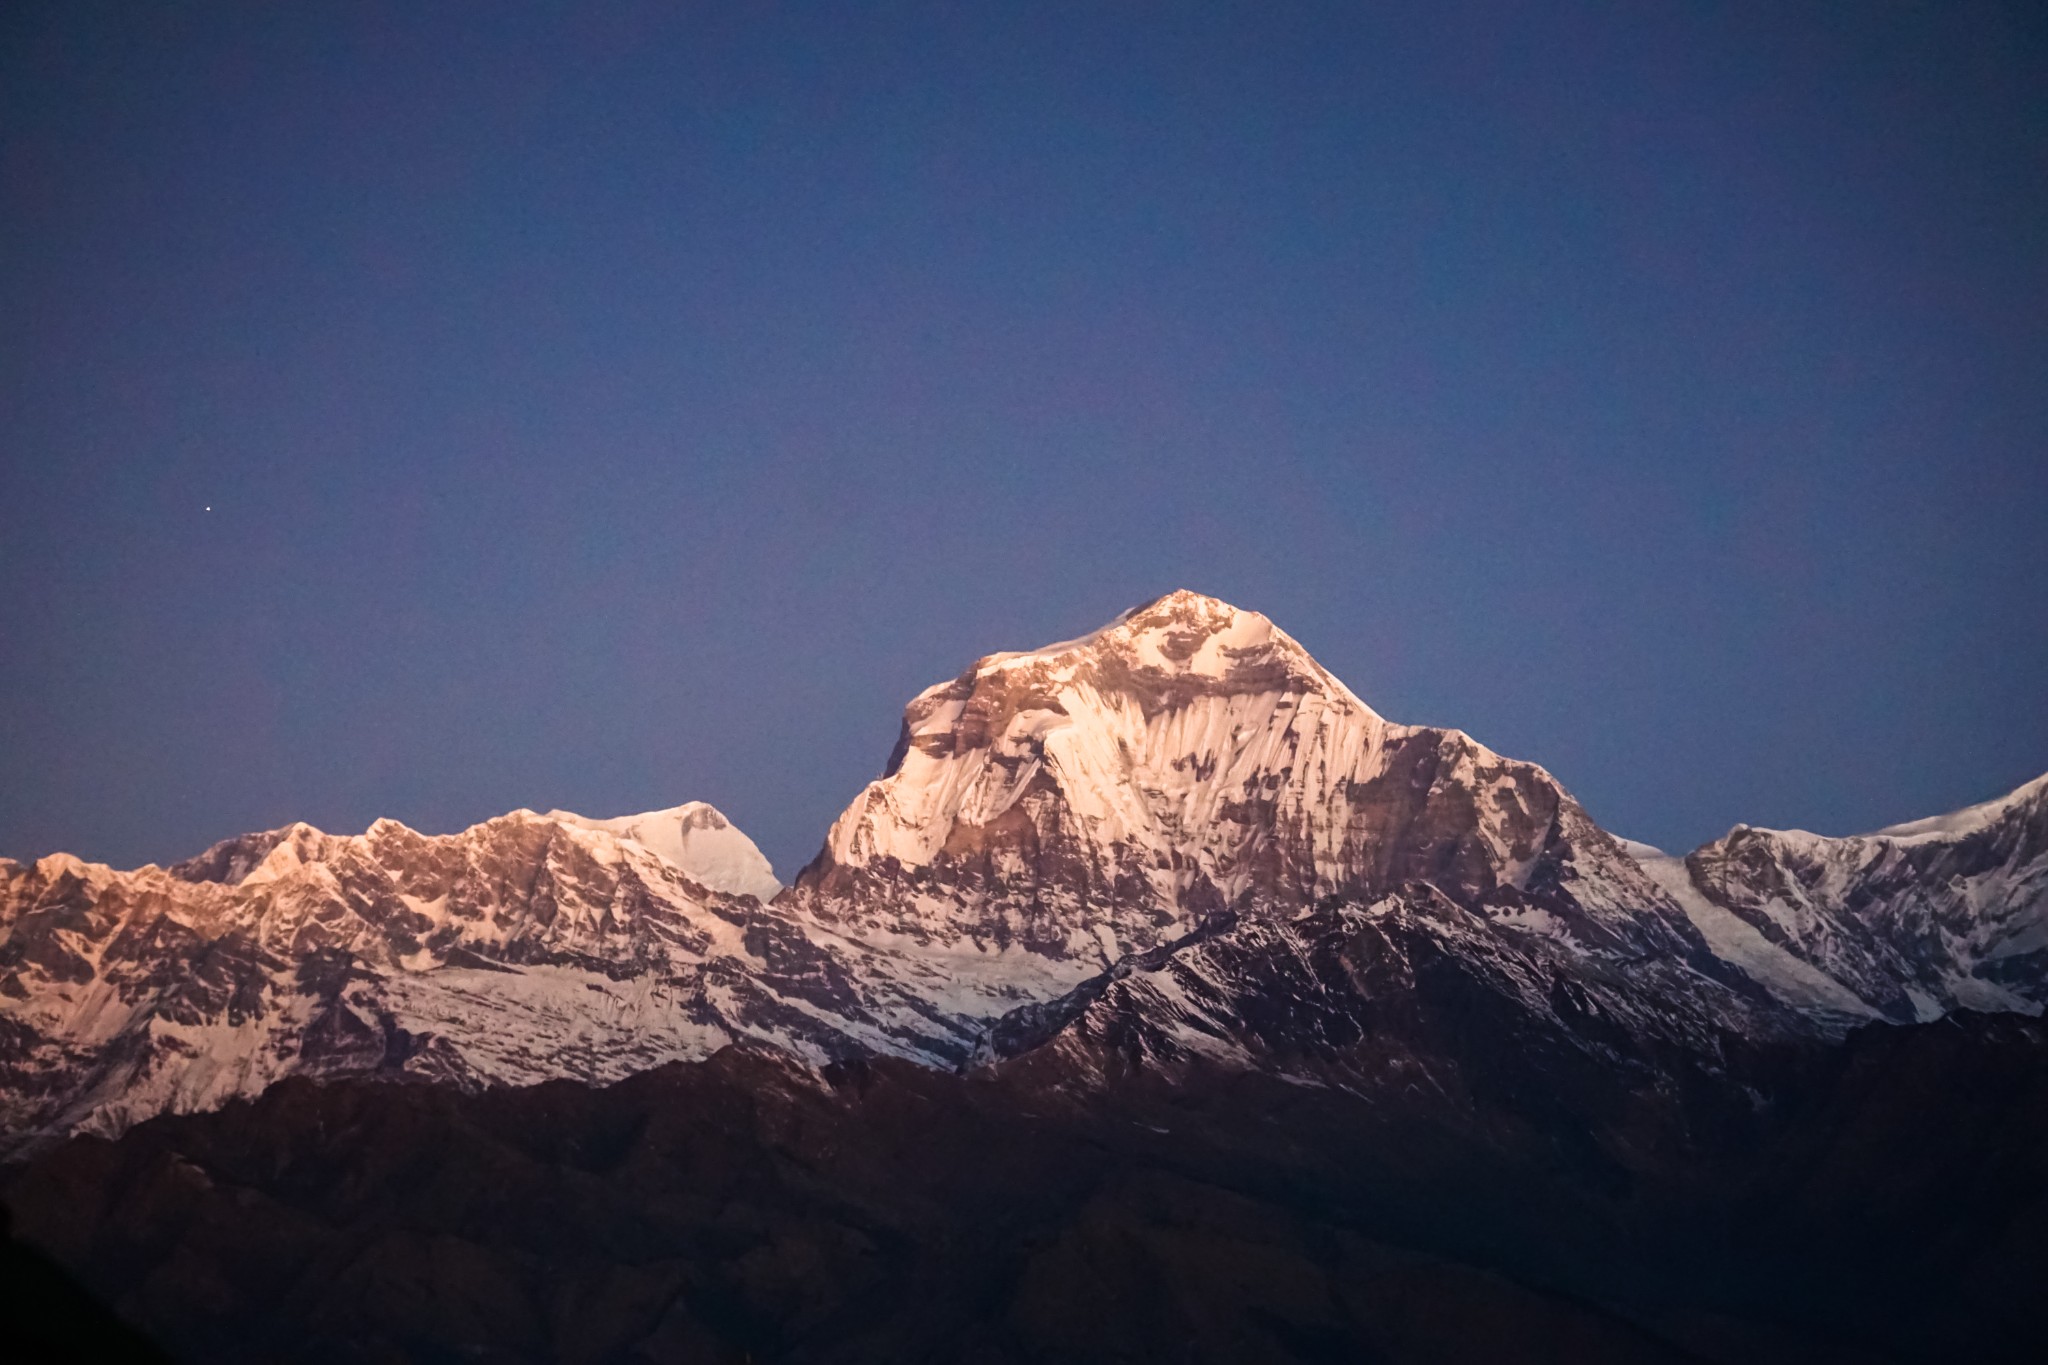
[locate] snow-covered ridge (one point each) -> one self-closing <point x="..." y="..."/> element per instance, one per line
<point x="1912" y="921"/>
<point x="1955" y="824"/>
<point x="695" y="838"/>
<point x="524" y="948"/>
<point x="1970" y="819"/>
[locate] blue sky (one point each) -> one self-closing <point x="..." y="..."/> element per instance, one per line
<point x="610" y="411"/>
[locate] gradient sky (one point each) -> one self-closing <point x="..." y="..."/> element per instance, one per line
<point x="610" y="410"/>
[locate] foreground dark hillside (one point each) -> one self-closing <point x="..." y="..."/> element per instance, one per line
<point x="1889" y="1206"/>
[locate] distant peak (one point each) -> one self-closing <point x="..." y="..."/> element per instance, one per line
<point x="696" y="838"/>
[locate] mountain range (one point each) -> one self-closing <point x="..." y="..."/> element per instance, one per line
<point x="1171" y="877"/>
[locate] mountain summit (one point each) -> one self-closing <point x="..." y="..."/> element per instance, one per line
<point x="1103" y="795"/>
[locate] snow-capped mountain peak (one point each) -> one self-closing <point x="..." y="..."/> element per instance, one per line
<point x="1101" y="796"/>
<point x="696" y="838"/>
<point x="1141" y="727"/>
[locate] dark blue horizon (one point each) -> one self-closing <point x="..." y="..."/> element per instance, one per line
<point x="608" y="411"/>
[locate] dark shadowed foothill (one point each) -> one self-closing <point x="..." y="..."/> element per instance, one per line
<point x="1885" y="1205"/>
